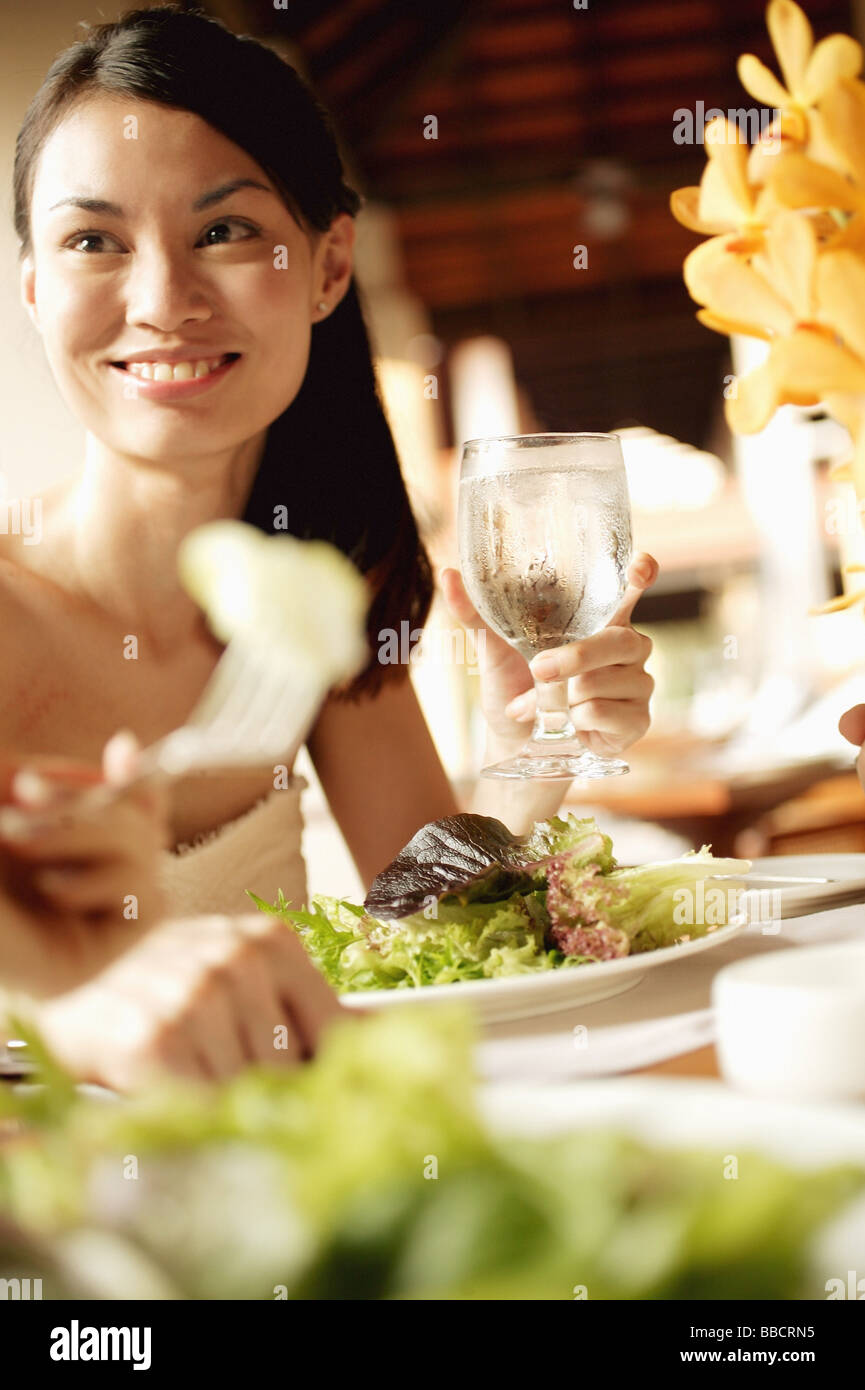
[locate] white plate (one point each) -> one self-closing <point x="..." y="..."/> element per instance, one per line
<point x="524" y="996"/>
<point x="704" y="1114"/>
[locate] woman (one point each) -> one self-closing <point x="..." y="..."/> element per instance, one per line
<point x="179" y="198"/>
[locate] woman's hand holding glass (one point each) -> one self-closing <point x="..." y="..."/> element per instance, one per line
<point x="608" y="687"/>
<point x="544" y="526"/>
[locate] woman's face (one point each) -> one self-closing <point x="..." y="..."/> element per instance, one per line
<point x="176" y="262"/>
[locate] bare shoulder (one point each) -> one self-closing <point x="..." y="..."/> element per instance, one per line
<point x="380" y="771"/>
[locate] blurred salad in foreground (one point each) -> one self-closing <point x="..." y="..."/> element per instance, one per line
<point x="468" y="900"/>
<point x="369" y="1174"/>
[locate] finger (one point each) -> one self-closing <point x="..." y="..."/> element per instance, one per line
<point x="45" y="781"/>
<point x="60" y="833"/>
<point x="173" y="1051"/>
<point x="120" y="757"/>
<point x="60" y="772"/>
<point x="642" y="573"/>
<point x="9" y="766"/>
<point x="462" y="608"/>
<point x="29" y="788"/>
<point x="619" y="717"/>
<point x="611" y="683"/>
<point x="210" y="1021"/>
<point x="607" y="682"/>
<point x="852" y="724"/>
<point x="301" y="987"/>
<point x="611" y="646"/>
<point x="91" y="888"/>
<point x="457" y="599"/>
<point x="241" y="958"/>
<point x="270" y="1038"/>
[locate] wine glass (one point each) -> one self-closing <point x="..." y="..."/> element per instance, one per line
<point x="545" y="543"/>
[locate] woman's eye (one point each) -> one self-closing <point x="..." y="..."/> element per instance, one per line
<point x="226" y="225"/>
<point x="74" y="242"/>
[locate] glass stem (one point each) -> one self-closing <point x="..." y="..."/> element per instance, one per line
<point x="553" y="723"/>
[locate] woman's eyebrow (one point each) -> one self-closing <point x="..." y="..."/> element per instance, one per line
<point x="216" y="195"/>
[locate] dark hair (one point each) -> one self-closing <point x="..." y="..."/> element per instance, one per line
<point x="330" y="458"/>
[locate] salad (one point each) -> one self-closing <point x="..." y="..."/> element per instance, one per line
<point x="468" y="900"/>
<point x="369" y="1173"/>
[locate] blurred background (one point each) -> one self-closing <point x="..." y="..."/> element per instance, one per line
<point x="521" y="272"/>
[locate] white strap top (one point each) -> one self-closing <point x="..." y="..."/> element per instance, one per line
<point x="260" y="850"/>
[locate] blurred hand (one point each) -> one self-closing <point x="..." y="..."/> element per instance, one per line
<point x="852" y="726"/>
<point x="75" y="891"/>
<point x="199" y="997"/>
<point x="608" y="689"/>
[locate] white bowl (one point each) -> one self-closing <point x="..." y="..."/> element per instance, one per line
<point x="791" y="1024"/>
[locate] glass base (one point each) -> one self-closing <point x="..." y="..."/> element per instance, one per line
<point x="553" y="765"/>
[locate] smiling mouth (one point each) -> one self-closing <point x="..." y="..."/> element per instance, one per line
<point x="176" y="371"/>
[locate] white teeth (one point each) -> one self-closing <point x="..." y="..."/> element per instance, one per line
<point x="174" y="371"/>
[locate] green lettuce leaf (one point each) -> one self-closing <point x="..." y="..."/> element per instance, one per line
<point x="355" y="951"/>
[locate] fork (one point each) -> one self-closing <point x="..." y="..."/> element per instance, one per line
<point x="801" y="901"/>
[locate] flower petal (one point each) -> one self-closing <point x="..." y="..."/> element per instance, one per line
<point x="732" y="289"/>
<point x="684" y="203"/>
<point x="727" y="149"/>
<point x="841" y="294"/>
<point x="800" y="182"/>
<point x="762" y="84"/>
<point x="833" y="59"/>
<point x="791" y="246"/>
<point x="847" y="410"/>
<point x="819" y="147"/>
<point x="836" y="605"/>
<point x="850" y="237"/>
<point x="841" y="472"/>
<point x="811" y="364"/>
<point x="792" y="40"/>
<point x="781" y="137"/>
<point x="800" y="370"/>
<point x="842" y="114"/>
<point x="719" y="324"/>
<point x="717" y="205"/>
<point x="754" y="402"/>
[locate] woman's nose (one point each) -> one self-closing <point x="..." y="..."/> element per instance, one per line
<point x="163" y="291"/>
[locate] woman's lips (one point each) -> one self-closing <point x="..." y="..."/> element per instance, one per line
<point x="136" y="385"/>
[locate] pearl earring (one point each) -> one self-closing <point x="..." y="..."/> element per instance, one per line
<point x="322" y="305"/>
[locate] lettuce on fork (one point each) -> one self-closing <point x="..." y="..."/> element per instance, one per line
<point x="303" y="597"/>
<point x="468" y="900"/>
